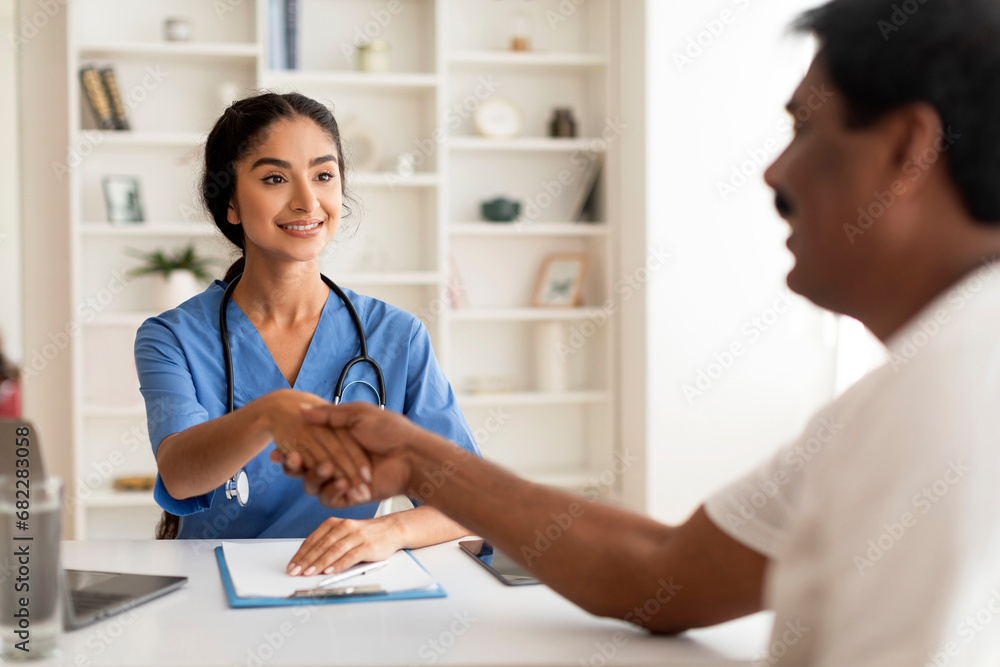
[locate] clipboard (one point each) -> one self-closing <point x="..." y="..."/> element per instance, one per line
<point x="332" y="596"/>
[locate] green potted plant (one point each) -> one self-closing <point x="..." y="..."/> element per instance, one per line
<point x="178" y="276"/>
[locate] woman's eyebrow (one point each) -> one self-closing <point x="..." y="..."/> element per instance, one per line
<point x="273" y="161"/>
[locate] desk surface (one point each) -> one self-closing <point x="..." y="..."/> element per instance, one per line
<point x="481" y="622"/>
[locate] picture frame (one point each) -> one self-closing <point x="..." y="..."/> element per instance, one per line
<point x="123" y="198"/>
<point x="560" y="281"/>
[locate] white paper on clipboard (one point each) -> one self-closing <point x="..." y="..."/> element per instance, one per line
<point x="257" y="569"/>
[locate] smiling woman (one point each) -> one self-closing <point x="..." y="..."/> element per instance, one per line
<point x="221" y="418"/>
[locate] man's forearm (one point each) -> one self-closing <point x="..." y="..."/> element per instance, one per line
<point x="609" y="561"/>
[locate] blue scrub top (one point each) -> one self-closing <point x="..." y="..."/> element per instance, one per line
<point x="179" y="359"/>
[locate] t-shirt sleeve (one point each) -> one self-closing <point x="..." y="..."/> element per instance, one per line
<point x="757" y="509"/>
<point x="171" y="402"/>
<point x="430" y="401"/>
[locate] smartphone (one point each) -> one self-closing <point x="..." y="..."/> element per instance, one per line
<point x="500" y="566"/>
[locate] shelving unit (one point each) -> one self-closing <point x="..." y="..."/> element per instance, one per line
<point x="160" y="229"/>
<point x="526" y="144"/>
<point x="417" y="236"/>
<point x="475" y="59"/>
<point x="390" y="180"/>
<point x="533" y="398"/>
<point x="524" y="314"/>
<point x="126" y="50"/>
<point x="579" y="229"/>
<point x="146" y="139"/>
<point x="352" y="80"/>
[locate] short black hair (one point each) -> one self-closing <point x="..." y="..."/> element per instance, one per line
<point x="883" y="54"/>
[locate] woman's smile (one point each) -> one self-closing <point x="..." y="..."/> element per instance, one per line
<point x="302" y="228"/>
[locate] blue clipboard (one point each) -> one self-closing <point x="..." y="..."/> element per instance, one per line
<point x="236" y="601"/>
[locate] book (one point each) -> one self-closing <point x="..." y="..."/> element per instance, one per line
<point x="584" y="206"/>
<point x="277" y="35"/>
<point x="117" y="108"/>
<point x="291" y="32"/>
<point x="97" y="97"/>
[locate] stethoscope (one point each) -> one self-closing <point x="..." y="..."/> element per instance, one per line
<point x="239" y="485"/>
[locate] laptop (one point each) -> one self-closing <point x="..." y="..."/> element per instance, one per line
<point x="89" y="596"/>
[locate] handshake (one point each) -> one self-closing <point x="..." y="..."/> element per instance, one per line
<point x="349" y="454"/>
<point x="353" y="454"/>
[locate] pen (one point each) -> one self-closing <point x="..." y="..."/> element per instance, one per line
<point x="333" y="579"/>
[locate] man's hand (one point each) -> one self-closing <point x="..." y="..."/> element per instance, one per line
<point x="316" y="479"/>
<point x="384" y="436"/>
<point x="312" y="443"/>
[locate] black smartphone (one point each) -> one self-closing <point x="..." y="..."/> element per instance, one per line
<point x="502" y="567"/>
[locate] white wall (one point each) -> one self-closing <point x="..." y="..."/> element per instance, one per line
<point x="729" y="259"/>
<point x="10" y="225"/>
<point x="45" y="235"/>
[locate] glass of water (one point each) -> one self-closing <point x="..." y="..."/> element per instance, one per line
<point x="30" y="575"/>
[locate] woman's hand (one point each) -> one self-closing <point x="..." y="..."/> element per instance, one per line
<point x="384" y="436"/>
<point x="341" y="543"/>
<point x="314" y="445"/>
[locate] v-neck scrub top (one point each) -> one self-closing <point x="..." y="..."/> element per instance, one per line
<point x="179" y="359"/>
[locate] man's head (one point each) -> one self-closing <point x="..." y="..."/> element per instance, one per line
<point x="890" y="183"/>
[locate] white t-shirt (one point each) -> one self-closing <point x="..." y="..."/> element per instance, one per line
<point x="882" y="521"/>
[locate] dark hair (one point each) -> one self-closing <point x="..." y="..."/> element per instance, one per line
<point x="883" y="54"/>
<point x="8" y="369"/>
<point x="243" y="126"/>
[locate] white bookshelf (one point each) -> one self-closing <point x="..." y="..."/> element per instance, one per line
<point x="113" y="412"/>
<point x="144" y="50"/>
<point x="147" y="139"/>
<point x="113" y="499"/>
<point x="574" y="229"/>
<point x="524" y="314"/>
<point x="146" y="230"/>
<point x="416" y="232"/>
<point x="387" y="81"/>
<point x="526" y="145"/>
<point x="390" y="180"/>
<point x="536" y="398"/>
<point x="413" y="278"/>
<point x="529" y="59"/>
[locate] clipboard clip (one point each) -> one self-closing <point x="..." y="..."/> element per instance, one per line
<point x="343" y="591"/>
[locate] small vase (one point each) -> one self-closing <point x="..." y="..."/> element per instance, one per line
<point x="551" y="372"/>
<point x="170" y="292"/>
<point x="562" y="124"/>
<point x="520" y="36"/>
<point x="374" y="56"/>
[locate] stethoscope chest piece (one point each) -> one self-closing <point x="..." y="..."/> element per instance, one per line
<point x="239" y="487"/>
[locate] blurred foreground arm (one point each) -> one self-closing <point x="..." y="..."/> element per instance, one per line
<point x="608" y="561"/>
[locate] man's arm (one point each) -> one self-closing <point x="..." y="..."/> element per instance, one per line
<point x="608" y="561"/>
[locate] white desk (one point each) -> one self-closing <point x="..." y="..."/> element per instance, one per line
<point x="481" y="622"/>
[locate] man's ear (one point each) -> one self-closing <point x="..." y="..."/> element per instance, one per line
<point x="232" y="215"/>
<point x="917" y="146"/>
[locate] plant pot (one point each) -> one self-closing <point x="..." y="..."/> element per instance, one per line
<point x="501" y="209"/>
<point x="170" y="292"/>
